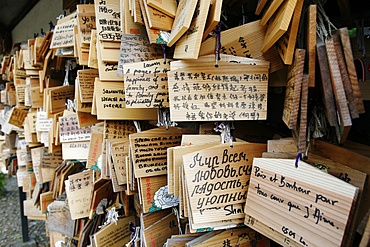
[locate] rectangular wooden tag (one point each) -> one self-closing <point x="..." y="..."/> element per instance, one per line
<point x="218" y="177"/>
<point x="293" y="90"/>
<point x="136" y="48"/>
<point x="115" y="235"/>
<point x="279" y="24"/>
<point x="63" y="35"/>
<point x="345" y="120"/>
<point x="184" y="14"/>
<point x="146" y="84"/>
<point x="93" y="59"/>
<point x="347" y="49"/>
<point x="326" y="86"/>
<point x="75" y="150"/>
<point x="306" y="201"/>
<point x="17" y="117"/>
<point x="352" y="104"/>
<point x="110" y="102"/>
<point x="159" y="232"/>
<point x="119" y="152"/>
<point x="108" y="25"/>
<point x="148" y="188"/>
<point x="301" y="133"/>
<point x="214" y="17"/>
<point x="79" y="188"/>
<point x="286" y="44"/>
<point x="58" y="97"/>
<point x="70" y="132"/>
<point x="158" y="19"/>
<point x="188" y="46"/>
<point x="86" y="79"/>
<point x="149" y="150"/>
<point x="85" y="23"/>
<point x="311" y="43"/>
<point x="200" y="94"/>
<point x="107" y="70"/>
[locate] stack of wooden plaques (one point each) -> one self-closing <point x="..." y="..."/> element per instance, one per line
<point x="91" y="113"/>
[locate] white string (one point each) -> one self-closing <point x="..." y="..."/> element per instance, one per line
<point x="224" y="129"/>
<point x="137" y="126"/>
<point x="178" y="219"/>
<point x="112" y="216"/>
<point x="135" y="237"/>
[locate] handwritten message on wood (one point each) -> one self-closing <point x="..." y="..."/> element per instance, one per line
<point x="217" y="180"/>
<point x="230" y="92"/>
<point x="119" y="152"/>
<point x="108" y="20"/>
<point x="63" y="35"/>
<point x="149" y="150"/>
<point x="85" y="23"/>
<point x="17" y="117"/>
<point x="53" y="159"/>
<point x="157" y="19"/>
<point x="79" y="191"/>
<point x="146" y="84"/>
<point x="70" y="132"/>
<point x="86" y="80"/>
<point x="75" y="150"/>
<point x="42" y="122"/>
<point x="110" y="102"/>
<point x="58" y="97"/>
<point x="115" y="235"/>
<point x="306" y="202"/>
<point x="136" y="48"/>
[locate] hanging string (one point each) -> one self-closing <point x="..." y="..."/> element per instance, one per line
<point x="69" y="65"/>
<point x="217" y="32"/>
<point x="224" y="129"/>
<point x="299" y="157"/>
<point x="164" y="118"/>
<point x="137" y="126"/>
<point x="324" y="25"/>
<point x="134" y="238"/>
<point x="71" y="105"/>
<point x="178" y="219"/>
<point x="112" y="216"/>
<point x="164" y="53"/>
<point x="317" y="124"/>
